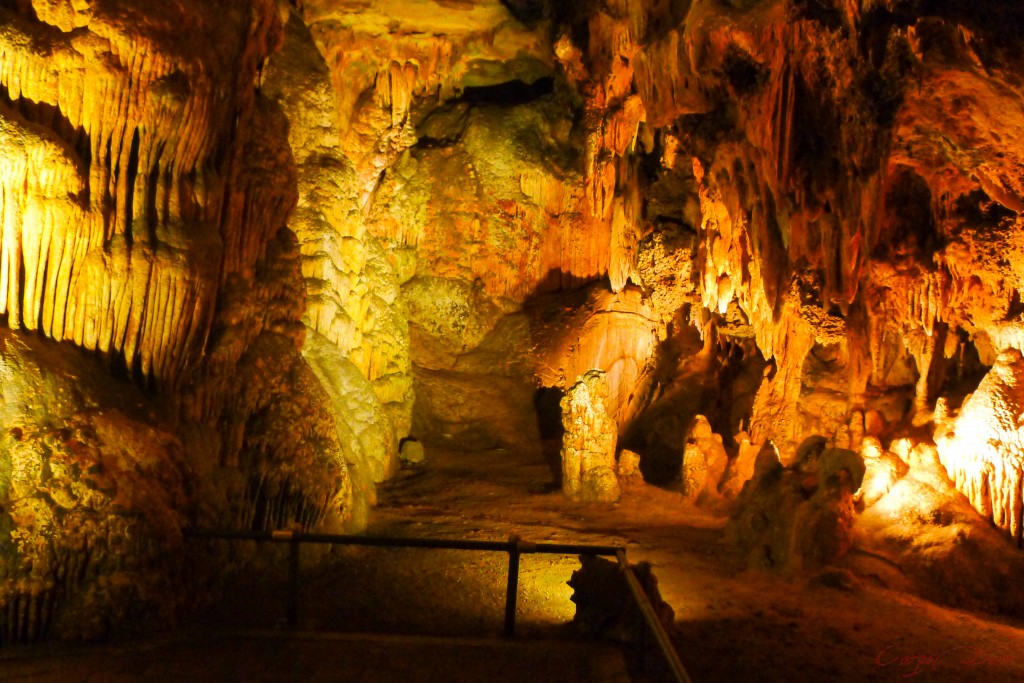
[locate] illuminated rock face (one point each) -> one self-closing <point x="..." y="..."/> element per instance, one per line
<point x="616" y="333"/>
<point x="854" y="197"/>
<point x="932" y="538"/>
<point x="351" y="289"/>
<point x="147" y="187"/>
<point x="982" y="448"/>
<point x="96" y="483"/>
<point x="128" y="200"/>
<point x="767" y="173"/>
<point x="882" y="470"/>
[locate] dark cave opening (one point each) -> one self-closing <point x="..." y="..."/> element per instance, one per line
<point x="509" y="93"/>
<point x="547" y="401"/>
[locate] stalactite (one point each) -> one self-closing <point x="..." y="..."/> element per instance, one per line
<point x="26" y="611"/>
<point x="80" y="261"/>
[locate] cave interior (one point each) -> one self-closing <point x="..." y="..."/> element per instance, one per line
<point x="732" y="283"/>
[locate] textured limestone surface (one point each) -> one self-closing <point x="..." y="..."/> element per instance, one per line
<point x="148" y="184"/>
<point x="924" y="536"/>
<point x="982" y="449"/>
<point x="95" y="481"/>
<point x="801" y="517"/>
<point x="588" y="447"/>
<point x="350" y="288"/>
<point x="704" y="460"/>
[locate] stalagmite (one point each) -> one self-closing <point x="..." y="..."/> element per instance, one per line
<point x="704" y="461"/>
<point x="588" y="447"/>
<point x="981" y="448"/>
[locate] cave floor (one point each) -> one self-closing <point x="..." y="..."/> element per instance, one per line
<point x="734" y="624"/>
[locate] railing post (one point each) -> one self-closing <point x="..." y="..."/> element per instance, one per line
<point x="293" y="582"/>
<point x="513" y="586"/>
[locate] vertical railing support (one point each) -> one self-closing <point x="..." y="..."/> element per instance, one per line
<point x="512" y="590"/>
<point x="293" y="580"/>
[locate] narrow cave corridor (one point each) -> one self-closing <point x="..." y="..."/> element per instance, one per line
<point x="733" y="285"/>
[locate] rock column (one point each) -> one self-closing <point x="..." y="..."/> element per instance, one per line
<point x="588" y="447"/>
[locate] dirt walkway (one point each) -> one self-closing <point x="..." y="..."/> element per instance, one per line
<point x="733" y="624"/>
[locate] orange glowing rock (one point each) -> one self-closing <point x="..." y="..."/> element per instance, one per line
<point x="127" y="256"/>
<point x="980" y="448"/>
<point x="588" y="447"/>
<point x="704" y="461"/>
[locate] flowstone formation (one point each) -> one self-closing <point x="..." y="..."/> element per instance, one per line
<point x="588" y="447"/>
<point x="981" y="447"/>
<point x="357" y="336"/>
<point x="924" y="536"/>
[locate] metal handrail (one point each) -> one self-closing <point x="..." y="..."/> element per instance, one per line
<point x="675" y="665"/>
<point x="514" y="546"/>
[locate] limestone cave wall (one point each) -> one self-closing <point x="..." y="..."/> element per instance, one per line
<point x="151" y="241"/>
